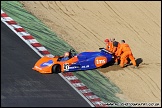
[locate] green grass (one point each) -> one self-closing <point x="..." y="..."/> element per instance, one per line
<point x="99" y="84"/>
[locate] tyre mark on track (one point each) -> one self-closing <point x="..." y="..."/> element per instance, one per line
<point x="100" y="20"/>
<point x="152" y="81"/>
<point x="110" y="10"/>
<point x="50" y="5"/>
<point x="44" y="5"/>
<point x="69" y="22"/>
<point x="132" y="75"/>
<point x="154" y="85"/>
<point x="131" y="27"/>
<point x="138" y="36"/>
<point x="80" y="25"/>
<point x="79" y="6"/>
<point x="47" y="7"/>
<point x="138" y="7"/>
<point x="60" y="15"/>
<point x="151" y="20"/>
<point x="146" y="82"/>
<point x="77" y="37"/>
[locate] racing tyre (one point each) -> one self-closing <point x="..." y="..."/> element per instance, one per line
<point x="56" y="68"/>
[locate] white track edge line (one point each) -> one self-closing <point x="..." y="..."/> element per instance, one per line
<point x="23" y="39"/>
<point x="90" y="103"/>
<point x="77" y="90"/>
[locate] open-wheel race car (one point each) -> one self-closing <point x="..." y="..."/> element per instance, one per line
<point x="76" y="62"/>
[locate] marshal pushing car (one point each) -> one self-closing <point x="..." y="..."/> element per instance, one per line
<point x="76" y="62"/>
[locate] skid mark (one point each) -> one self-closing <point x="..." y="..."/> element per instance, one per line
<point x="147" y="83"/>
<point x="113" y="24"/>
<point x="141" y="10"/>
<point x="81" y="26"/>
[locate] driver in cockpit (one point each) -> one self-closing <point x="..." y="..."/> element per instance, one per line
<point x="66" y="56"/>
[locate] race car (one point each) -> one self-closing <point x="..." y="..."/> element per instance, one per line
<point x="77" y="62"/>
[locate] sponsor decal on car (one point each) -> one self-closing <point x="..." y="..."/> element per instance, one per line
<point x="66" y="66"/>
<point x="48" y="63"/>
<point x="101" y="60"/>
<point x="87" y="66"/>
<point x="74" y="67"/>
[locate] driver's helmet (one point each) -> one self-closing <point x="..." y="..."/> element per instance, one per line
<point x="66" y="54"/>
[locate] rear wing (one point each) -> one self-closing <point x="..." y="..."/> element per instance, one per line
<point x="104" y="50"/>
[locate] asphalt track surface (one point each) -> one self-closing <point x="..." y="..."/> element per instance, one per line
<point x="23" y="87"/>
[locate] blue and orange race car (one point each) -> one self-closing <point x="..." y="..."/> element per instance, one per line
<point x="77" y="62"/>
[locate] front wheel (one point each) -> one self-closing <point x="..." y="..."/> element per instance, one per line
<point x="56" y="68"/>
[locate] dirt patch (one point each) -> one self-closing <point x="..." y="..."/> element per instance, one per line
<point x="110" y="68"/>
<point x="85" y="25"/>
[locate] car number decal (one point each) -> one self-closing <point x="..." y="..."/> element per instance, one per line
<point x="66" y="66"/>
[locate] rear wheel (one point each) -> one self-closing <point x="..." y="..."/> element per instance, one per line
<point x="56" y="68"/>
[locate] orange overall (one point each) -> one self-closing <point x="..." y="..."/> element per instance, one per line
<point x="109" y="46"/>
<point x="115" y="50"/>
<point x="126" y="53"/>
